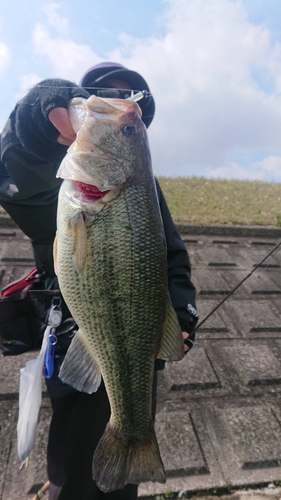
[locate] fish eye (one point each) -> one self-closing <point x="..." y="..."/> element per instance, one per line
<point x="129" y="129"/>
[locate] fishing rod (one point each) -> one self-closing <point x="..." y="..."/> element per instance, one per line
<point x="234" y="290"/>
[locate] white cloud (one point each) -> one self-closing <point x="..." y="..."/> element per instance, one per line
<point x="55" y="20"/>
<point x="271" y="166"/>
<point x="235" y="171"/>
<point x="210" y="75"/>
<point x="69" y="59"/>
<point x="268" y="169"/>
<point x="204" y="76"/>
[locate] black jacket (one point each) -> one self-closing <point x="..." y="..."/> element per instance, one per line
<point x="30" y="156"/>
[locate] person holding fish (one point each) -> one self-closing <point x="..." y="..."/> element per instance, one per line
<point x="122" y="268"/>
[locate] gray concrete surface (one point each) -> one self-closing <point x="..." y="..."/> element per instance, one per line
<point x="219" y="415"/>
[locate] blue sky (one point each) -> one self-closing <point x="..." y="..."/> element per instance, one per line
<point x="214" y="67"/>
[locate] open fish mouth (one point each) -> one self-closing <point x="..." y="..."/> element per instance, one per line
<point x="89" y="192"/>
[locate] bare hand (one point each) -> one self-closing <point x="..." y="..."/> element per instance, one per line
<point x="59" y="117"/>
<point x="185" y="337"/>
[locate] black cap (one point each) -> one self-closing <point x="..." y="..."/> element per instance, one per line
<point x="100" y="73"/>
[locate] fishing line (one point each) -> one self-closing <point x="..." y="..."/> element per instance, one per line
<point x="145" y="92"/>
<point x="136" y="95"/>
<point x="234" y="289"/>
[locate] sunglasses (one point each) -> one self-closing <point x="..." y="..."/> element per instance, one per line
<point x="113" y="93"/>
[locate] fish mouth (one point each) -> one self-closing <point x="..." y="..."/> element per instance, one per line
<point x="89" y="192"/>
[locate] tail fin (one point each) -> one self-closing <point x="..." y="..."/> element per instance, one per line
<point x="118" y="462"/>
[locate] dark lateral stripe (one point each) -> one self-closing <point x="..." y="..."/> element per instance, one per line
<point x="214" y="292"/>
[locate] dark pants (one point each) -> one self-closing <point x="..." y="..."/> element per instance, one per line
<point x="77" y="425"/>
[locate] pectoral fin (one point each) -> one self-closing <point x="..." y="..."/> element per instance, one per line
<point x="79" y="233"/>
<point x="172" y="347"/>
<point x="79" y="368"/>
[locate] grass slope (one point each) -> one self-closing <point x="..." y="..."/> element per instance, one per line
<point x="200" y="200"/>
<point x="210" y="201"/>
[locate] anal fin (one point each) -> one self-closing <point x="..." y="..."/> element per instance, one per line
<point x="79" y="368"/>
<point x="172" y="346"/>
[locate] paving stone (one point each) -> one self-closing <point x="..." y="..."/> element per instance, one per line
<point x="8" y="415"/>
<point x="259" y="283"/>
<point x="270" y="493"/>
<point x="233" y="278"/>
<point x="277" y="256"/>
<point x="263" y="285"/>
<point x="275" y="276"/>
<point x="183" y="456"/>
<point x="20" y="484"/>
<point x="249" y="259"/>
<point x="252" y="437"/>
<point x="194" y="372"/>
<point x="253" y="318"/>
<point x="21" y="252"/>
<point x="187" y="453"/>
<point x="219" y="410"/>
<point x="210" y="283"/>
<point x="6" y="275"/>
<point x="210" y="255"/>
<point x="10" y="373"/>
<point x="215" y="326"/>
<point x="254" y="365"/>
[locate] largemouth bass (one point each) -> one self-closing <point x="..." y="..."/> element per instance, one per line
<point x="110" y="258"/>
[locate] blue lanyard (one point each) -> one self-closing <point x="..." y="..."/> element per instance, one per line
<point x="49" y="361"/>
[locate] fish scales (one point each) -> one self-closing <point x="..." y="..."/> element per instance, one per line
<point x="119" y="284"/>
<point x="117" y="292"/>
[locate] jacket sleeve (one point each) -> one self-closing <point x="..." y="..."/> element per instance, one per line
<point x="30" y="156"/>
<point x="181" y="288"/>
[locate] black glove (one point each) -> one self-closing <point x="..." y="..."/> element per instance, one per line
<point x="30" y="117"/>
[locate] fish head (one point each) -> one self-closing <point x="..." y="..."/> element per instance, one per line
<point x="103" y="158"/>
